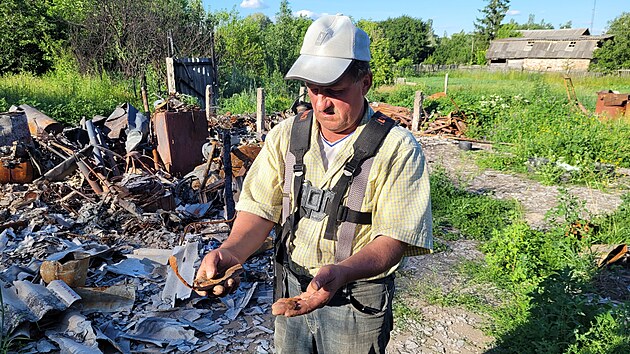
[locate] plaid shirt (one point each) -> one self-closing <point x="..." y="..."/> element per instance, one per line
<point x="397" y="194"/>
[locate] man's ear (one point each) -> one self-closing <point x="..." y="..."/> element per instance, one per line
<point x="366" y="83"/>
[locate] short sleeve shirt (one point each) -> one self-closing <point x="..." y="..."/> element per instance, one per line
<point x="397" y="194"/>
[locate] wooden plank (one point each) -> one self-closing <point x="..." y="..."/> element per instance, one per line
<point x="260" y="110"/>
<point x="170" y="76"/>
<point x="417" y="111"/>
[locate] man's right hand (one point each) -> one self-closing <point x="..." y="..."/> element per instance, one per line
<point x="217" y="261"/>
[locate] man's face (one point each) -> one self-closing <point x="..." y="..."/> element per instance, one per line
<point x="338" y="107"/>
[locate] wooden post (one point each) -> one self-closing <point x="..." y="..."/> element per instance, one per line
<point x="445" y="82"/>
<point x="170" y="76"/>
<point x="209" y="109"/>
<point x="145" y="97"/>
<point x="417" y="111"/>
<point x="260" y="111"/>
<point x="302" y="93"/>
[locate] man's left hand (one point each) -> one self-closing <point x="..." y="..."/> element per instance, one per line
<point x="318" y="293"/>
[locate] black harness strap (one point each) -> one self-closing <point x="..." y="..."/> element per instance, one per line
<point x="298" y="146"/>
<point x="366" y="146"/>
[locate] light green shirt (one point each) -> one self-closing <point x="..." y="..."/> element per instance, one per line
<point x="397" y="194"/>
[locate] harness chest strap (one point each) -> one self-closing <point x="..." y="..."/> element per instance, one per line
<point x="355" y="176"/>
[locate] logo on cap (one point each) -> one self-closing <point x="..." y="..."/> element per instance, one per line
<point x="324" y="36"/>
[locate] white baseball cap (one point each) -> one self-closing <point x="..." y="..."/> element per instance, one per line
<point x="330" y="44"/>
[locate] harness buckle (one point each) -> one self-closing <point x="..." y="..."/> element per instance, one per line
<point x="298" y="169"/>
<point x="314" y="201"/>
<point x="342" y="213"/>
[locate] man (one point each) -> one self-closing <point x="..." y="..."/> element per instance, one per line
<point x="339" y="304"/>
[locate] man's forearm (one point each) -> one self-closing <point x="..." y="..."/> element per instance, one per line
<point x="376" y="257"/>
<point x="248" y="234"/>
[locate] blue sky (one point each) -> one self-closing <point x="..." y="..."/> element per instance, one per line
<point x="448" y="16"/>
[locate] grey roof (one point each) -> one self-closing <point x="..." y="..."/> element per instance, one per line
<point x="547" y="44"/>
<point x="555" y="33"/>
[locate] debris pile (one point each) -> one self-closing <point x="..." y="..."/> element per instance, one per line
<point x="400" y="114"/>
<point x="453" y="124"/>
<point x="90" y="215"/>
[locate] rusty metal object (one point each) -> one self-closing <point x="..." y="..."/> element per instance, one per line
<point x="612" y="105"/>
<point x="73" y="273"/>
<point x="39" y="123"/>
<point x="16" y="172"/>
<point x="204" y="284"/>
<point x="283" y="305"/>
<point x="180" y="137"/>
<point x="85" y="171"/>
<point x="195" y="225"/>
<point x="614" y="256"/>
<point x="243" y="157"/>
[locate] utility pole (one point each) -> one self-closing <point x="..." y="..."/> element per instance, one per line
<point x="472" y="50"/>
<point x="593" y="16"/>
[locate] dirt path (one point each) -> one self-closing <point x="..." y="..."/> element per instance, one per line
<point x="455" y="330"/>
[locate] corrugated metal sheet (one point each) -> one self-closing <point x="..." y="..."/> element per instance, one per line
<point x="543" y="49"/>
<point x="555" y="33"/>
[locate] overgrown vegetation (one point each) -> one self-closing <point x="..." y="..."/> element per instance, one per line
<point x="552" y="298"/>
<point x="66" y="96"/>
<point x="537" y="130"/>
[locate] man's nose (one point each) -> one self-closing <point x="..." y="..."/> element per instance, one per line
<point x="323" y="102"/>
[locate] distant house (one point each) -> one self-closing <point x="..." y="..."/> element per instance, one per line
<point x="546" y="50"/>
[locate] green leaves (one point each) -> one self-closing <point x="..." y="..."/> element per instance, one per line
<point x="30" y="36"/>
<point x="409" y="38"/>
<point x="614" y="54"/>
<point x="493" y="13"/>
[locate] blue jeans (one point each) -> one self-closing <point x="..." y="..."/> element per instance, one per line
<point x="357" y="320"/>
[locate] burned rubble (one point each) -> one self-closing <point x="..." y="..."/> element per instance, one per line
<point x="102" y="226"/>
<point x="90" y="215"/>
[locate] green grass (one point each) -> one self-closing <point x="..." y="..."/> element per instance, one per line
<point x="541" y="289"/>
<point x="531" y="114"/>
<point x="516" y="82"/>
<point x="474" y="216"/>
<point x="66" y="97"/>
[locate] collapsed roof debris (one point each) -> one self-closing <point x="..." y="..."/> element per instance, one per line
<point x="89" y="216"/>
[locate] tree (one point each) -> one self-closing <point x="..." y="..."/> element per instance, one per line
<point x="409" y="38"/>
<point x="456" y="49"/>
<point x="31" y="36"/>
<point x="283" y="39"/>
<point x="126" y="36"/>
<point x="532" y="25"/>
<point x="509" y="30"/>
<point x="615" y="53"/>
<point x="512" y="28"/>
<point x="488" y="26"/>
<point x="382" y="63"/>
<point x="240" y="53"/>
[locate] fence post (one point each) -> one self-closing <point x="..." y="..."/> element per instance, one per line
<point x="445" y="82"/>
<point x="417" y="111"/>
<point x="209" y="108"/>
<point x="302" y="93"/>
<point x="260" y="111"/>
<point x="170" y="76"/>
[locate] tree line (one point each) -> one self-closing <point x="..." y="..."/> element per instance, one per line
<point x="131" y="38"/>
